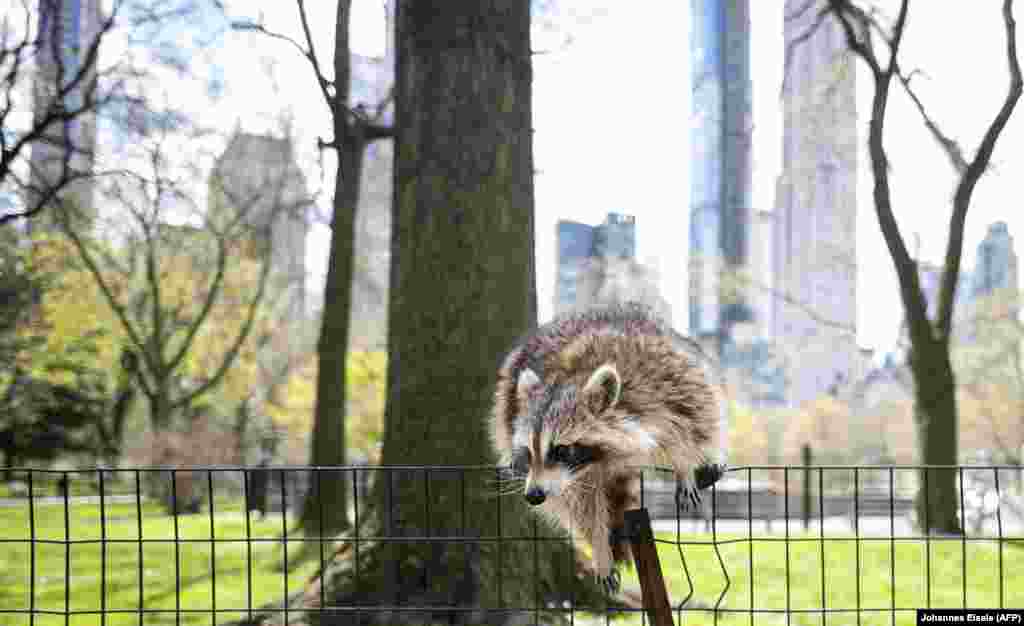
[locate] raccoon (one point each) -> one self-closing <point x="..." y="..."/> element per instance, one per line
<point x="585" y="400"/>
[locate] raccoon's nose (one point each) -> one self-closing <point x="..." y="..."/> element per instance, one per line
<point x="535" y="496"/>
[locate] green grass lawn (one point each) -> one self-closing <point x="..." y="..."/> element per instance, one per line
<point x="828" y="571"/>
<point x="163" y="562"/>
<point x="812" y="567"/>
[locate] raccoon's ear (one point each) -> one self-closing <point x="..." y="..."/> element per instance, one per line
<point x="602" y="389"/>
<point x="528" y="379"/>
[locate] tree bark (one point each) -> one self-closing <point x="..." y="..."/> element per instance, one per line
<point x="325" y="510"/>
<point x="462" y="290"/>
<point x="325" y="507"/>
<point x="460" y="294"/>
<point x="935" y="415"/>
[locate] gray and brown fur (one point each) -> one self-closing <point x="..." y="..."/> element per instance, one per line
<point x="623" y="385"/>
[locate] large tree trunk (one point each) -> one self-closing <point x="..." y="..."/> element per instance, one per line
<point x="460" y="295"/>
<point x="935" y="414"/>
<point x="462" y="290"/>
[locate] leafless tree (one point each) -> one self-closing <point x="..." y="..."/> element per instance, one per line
<point x="353" y="128"/>
<point x="876" y="40"/>
<point x="55" y="84"/>
<point x="155" y="283"/>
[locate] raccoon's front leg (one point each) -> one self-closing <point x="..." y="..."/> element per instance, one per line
<point x="598" y="521"/>
<point x="604" y="565"/>
<point x="687" y="495"/>
<point x="688" y="489"/>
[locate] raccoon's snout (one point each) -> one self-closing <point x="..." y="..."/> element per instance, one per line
<point x="535" y="496"/>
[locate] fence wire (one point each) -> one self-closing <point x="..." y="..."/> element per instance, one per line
<point x="768" y="544"/>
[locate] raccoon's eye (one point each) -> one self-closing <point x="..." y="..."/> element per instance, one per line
<point x="521" y="462"/>
<point x="571" y="456"/>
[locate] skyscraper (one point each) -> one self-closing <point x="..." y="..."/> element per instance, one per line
<point x="996" y="264"/>
<point x="577" y="243"/>
<point x="815" y="228"/>
<point x="597" y="265"/>
<point x="258" y="176"/>
<point x="989" y="296"/>
<point x="720" y="203"/>
<point x="67" y="32"/>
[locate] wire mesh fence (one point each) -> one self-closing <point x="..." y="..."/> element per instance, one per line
<point x="768" y="545"/>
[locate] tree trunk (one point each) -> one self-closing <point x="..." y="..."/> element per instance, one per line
<point x="325" y="507"/>
<point x="461" y="292"/>
<point x="124" y="400"/>
<point x="160" y="407"/>
<point x="935" y="414"/>
<point x="460" y="295"/>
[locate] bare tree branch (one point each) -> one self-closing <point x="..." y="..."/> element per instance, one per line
<point x="977" y="166"/>
<point x="369" y="126"/>
<point x="119" y="309"/>
<point x="325" y="85"/>
<point x="212" y="294"/>
<point x="52" y="115"/>
<point x="243" y="334"/>
<point x="860" y="43"/>
<point x="897" y="35"/>
<point x="906" y="267"/>
<point x="245" y="25"/>
<point x="950" y="146"/>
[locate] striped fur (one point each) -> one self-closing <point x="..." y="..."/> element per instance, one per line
<point x="623" y="385"/>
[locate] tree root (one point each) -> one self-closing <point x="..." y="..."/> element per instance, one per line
<point x="330" y="597"/>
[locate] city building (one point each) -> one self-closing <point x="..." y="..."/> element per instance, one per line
<point x="257" y="176"/>
<point x="720" y="202"/>
<point x="983" y="296"/>
<point x="596" y="265"/>
<point x="814" y="258"/>
<point x="68" y="30"/>
<point x="577" y="243"/>
<point x="996" y="265"/>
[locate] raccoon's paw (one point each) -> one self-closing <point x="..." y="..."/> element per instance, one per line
<point x="707" y="475"/>
<point x="687" y="496"/>
<point x="612" y="582"/>
<point x="688" y="492"/>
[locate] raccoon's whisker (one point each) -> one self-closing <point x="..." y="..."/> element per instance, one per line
<point x="504" y="482"/>
<point x="504" y="487"/>
<point x="503" y="492"/>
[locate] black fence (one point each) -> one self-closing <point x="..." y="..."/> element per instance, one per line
<point x="768" y="545"/>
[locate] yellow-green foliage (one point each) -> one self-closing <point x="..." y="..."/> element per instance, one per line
<point x="186" y="280"/>
<point x="747" y="439"/>
<point x="365" y="388"/>
<point x="73" y="313"/>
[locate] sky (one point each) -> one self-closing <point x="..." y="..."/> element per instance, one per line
<point x="612" y="117"/>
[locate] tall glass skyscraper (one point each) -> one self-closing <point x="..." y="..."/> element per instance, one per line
<point x="720" y="200"/>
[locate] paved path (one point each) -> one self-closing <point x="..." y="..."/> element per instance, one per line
<point x="73" y="500"/>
